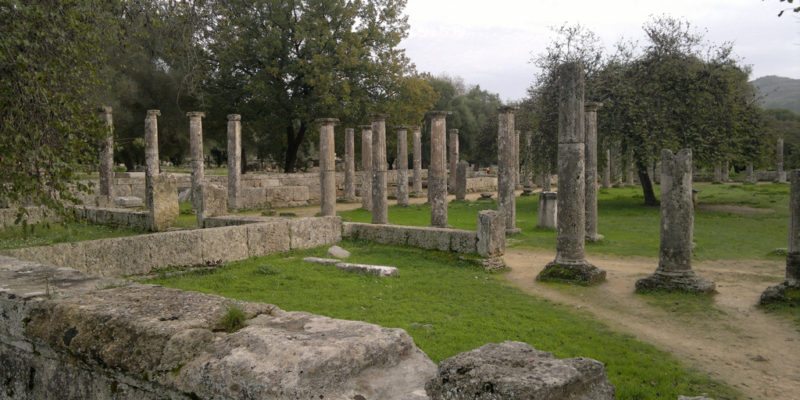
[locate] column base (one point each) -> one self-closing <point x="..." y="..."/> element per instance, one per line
<point x="513" y="231"/>
<point x="683" y="281"/>
<point x="594" y="238"/>
<point x="493" y="263"/>
<point x="582" y="273"/>
<point x="783" y="293"/>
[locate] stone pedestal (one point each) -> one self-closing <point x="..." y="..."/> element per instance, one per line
<point x="491" y="233"/>
<point x="590" y="146"/>
<point x="366" y="167"/>
<point x="417" y="137"/>
<point x="163" y="200"/>
<point x="506" y="170"/>
<point x="380" y="210"/>
<point x="461" y="180"/>
<point x="349" y="194"/>
<point x="789" y="290"/>
<point x="437" y="171"/>
<point x="151" y="163"/>
<point x="402" y="166"/>
<point x="674" y="272"/>
<point x="570" y="263"/>
<point x="235" y="161"/>
<point x="452" y="161"/>
<point x="548" y="210"/>
<point x="779" y="154"/>
<point x="327" y="168"/>
<point x="212" y="202"/>
<point x="105" y="189"/>
<point x="196" y="158"/>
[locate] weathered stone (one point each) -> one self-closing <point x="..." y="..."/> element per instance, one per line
<point x="491" y="233"/>
<point x="591" y="171"/>
<point x="506" y="173"/>
<point x="517" y="184"/>
<point x="417" y="138"/>
<point x="223" y="244"/>
<point x="380" y="270"/>
<point x="349" y="194"/>
<point x="128" y="201"/>
<point x="629" y="170"/>
<point x="402" y="166"/>
<point x="570" y="263"/>
<point x="750" y="176"/>
<point x="338" y="252"/>
<point x="327" y="169"/>
<point x="105" y="188"/>
<point x="235" y="161"/>
<point x="515" y="370"/>
<point x="196" y="158"/>
<point x="607" y="170"/>
<point x="674" y="272"/>
<point x="163" y="201"/>
<point x="151" y="163"/>
<point x="452" y="158"/>
<point x="437" y="170"/>
<point x="694" y="398"/>
<point x="170" y="249"/>
<point x="425" y="237"/>
<point x="366" y="167"/>
<point x="268" y="238"/>
<point x="789" y="290"/>
<point x="779" y="154"/>
<point x="323" y="261"/>
<point x="380" y="206"/>
<point x="461" y="180"/>
<point x="211" y="201"/>
<point x="312" y="232"/>
<point x="546" y="181"/>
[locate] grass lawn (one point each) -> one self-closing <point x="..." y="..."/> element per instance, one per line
<point x="52" y="233"/>
<point x="450" y="306"/>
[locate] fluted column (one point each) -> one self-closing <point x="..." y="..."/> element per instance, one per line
<point x="151" y="162"/>
<point x="366" y="167"/>
<point x="506" y="170"/>
<point x="591" y="170"/>
<point x="452" y="160"/>
<point x="349" y="165"/>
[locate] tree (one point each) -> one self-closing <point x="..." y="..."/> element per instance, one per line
<point x="49" y="58"/>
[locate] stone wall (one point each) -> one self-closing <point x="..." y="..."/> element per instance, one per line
<point x="35" y="216"/>
<point x="70" y="336"/>
<point x="443" y="239"/>
<point x="482" y="184"/>
<point x="114" y="216"/>
<point x="141" y="254"/>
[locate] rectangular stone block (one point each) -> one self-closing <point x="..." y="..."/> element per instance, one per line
<point x="491" y="237"/>
<point x="379" y="270"/>
<point x="212" y="201"/>
<point x="312" y="232"/>
<point x="224" y="244"/>
<point x="117" y="256"/>
<point x="69" y="255"/>
<point x="281" y="195"/>
<point x="163" y="202"/>
<point x="462" y="241"/>
<point x="174" y="248"/>
<point x="385" y="234"/>
<point x="428" y="238"/>
<point x="268" y="238"/>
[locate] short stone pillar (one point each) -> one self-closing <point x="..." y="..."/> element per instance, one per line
<point x="545" y="181"/>
<point x="349" y="194"/>
<point x="380" y="206"/>
<point x="151" y="162"/>
<point x="607" y="170"/>
<point x="590" y="146"/>
<point x="779" y="154"/>
<point x="461" y="180"/>
<point x="212" y="202"/>
<point x="437" y="170"/>
<point x="402" y="166"/>
<point x="327" y="167"/>
<point x="491" y="238"/>
<point x="517" y="175"/>
<point x="452" y="160"/>
<point x="196" y="158"/>
<point x="548" y="210"/>
<point x="570" y="263"/>
<point x="674" y="272"/>
<point x="107" y="157"/>
<point x="750" y="175"/>
<point x="163" y="200"/>
<point x="506" y="170"/>
<point x="417" y="138"/>
<point x="366" y="167"/>
<point x="789" y="289"/>
<point x="234" y="161"/>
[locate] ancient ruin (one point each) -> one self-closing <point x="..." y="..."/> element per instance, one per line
<point x="548" y="210"/>
<point x="789" y="290"/>
<point x="452" y="160"/>
<point x="507" y="170"/>
<point x="417" y="137"/>
<point x="779" y="158"/>
<point x="152" y="165"/>
<point x="234" y="161"/>
<point x="349" y="166"/>
<point x="402" y="166"/>
<point x="437" y="171"/>
<point x="105" y="189"/>
<point x="196" y="158"/>
<point x="366" y="167"/>
<point x="327" y="169"/>
<point x="380" y="210"/>
<point x="591" y="171"/>
<point x="461" y="180"/>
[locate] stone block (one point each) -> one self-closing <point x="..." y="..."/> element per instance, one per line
<point x="385" y="234"/>
<point x="268" y="238"/>
<point x="163" y="203"/>
<point x="128" y="201"/>
<point x="174" y="248"/>
<point x="515" y="370"/>
<point x="338" y="252"/>
<point x="323" y="261"/>
<point x="281" y="196"/>
<point x="312" y="232"/>
<point x="70" y="255"/>
<point x="212" y="201"/>
<point x="548" y="210"/>
<point x="428" y="238"/>
<point x="379" y="270"/>
<point x="117" y="256"/>
<point x="224" y="244"/>
<point x="463" y="241"/>
<point x="491" y="233"/>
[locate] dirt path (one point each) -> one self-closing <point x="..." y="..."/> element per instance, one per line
<point x="735" y="343"/>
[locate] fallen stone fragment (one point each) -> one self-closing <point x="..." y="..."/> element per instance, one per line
<point x="380" y="270"/>
<point x="324" y="261"/>
<point x="338" y="252"/>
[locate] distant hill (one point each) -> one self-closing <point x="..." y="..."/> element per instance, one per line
<point x="779" y="92"/>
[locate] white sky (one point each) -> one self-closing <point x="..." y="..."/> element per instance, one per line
<point x="490" y="42"/>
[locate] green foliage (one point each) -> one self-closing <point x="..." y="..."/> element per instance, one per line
<point x="233" y="320"/>
<point x="780" y="123"/>
<point x="13" y="237"/>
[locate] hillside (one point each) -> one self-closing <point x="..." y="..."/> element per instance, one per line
<point x="779" y="92"/>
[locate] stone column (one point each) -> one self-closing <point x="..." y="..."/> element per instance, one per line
<point x="607" y="170"/>
<point x="548" y="210"/>
<point x="781" y="292"/>
<point x="517" y="184"/>
<point x="151" y="163"/>
<point x="674" y="270"/>
<point x="349" y="165"/>
<point x="452" y="160"/>
<point x="327" y="167"/>
<point x="527" y="171"/>
<point x="726" y="172"/>
<point x="366" y="167"/>
<point x="591" y="170"/>
<point x="717" y="174"/>
<point x="506" y="170"/>
<point x="570" y="263"/>
<point x="437" y="170"/>
<point x="751" y="175"/>
<point x="629" y="171"/>
<point x="402" y="166"/>
<point x="107" y="157"/>
<point x="417" y="136"/>
<point x="546" y="181"/>
<point x="234" y="161"/>
<point x="461" y="180"/>
<point x="781" y="172"/>
<point x="196" y="153"/>
<point x="380" y="210"/>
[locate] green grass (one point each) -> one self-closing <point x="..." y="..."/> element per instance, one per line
<point x="632" y="229"/>
<point x="450" y="306"/>
<point x="44" y="234"/>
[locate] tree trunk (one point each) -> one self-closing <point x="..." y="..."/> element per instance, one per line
<point x="647" y="185"/>
<point x="293" y="145"/>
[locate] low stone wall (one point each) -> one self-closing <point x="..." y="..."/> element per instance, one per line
<point x="482" y="184"/>
<point x="141" y="254"/>
<point x="66" y="335"/>
<point x="442" y="239"/>
<point x="35" y="215"/>
<point x="114" y="216"/>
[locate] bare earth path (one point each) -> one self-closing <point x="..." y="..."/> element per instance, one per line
<point x="736" y="343"/>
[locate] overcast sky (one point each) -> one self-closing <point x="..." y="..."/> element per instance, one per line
<point x="491" y="42"/>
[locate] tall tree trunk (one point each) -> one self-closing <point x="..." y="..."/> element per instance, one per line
<point x="647" y="185"/>
<point x="293" y="140"/>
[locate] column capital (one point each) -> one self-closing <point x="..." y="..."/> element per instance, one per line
<point x="436" y="113"/>
<point x="195" y="114"/>
<point x="378" y="117"/>
<point x="153" y="113"/>
<point x="234" y="117"/>
<point x="365" y="127"/>
<point x="401" y="128"/>
<point x="507" y="109"/>
<point x="327" y="121"/>
<point x="592" y="106"/>
<point x="104" y="109"/>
